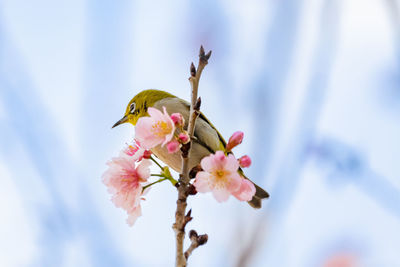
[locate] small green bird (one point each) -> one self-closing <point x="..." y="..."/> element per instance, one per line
<point x="207" y="138"/>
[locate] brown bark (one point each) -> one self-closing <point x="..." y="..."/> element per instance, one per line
<point x="184" y="186"/>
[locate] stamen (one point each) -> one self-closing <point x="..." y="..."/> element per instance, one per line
<point x="220" y="173"/>
<point x="161" y="128"/>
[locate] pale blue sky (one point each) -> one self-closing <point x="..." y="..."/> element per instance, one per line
<point x="313" y="84"/>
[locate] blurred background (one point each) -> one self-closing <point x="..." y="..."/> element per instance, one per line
<point x="314" y="85"/>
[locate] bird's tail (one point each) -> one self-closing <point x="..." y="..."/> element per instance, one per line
<point x="255" y="202"/>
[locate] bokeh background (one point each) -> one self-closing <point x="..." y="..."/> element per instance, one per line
<point x="314" y="84"/>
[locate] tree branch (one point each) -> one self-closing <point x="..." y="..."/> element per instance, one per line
<point x="184" y="187"/>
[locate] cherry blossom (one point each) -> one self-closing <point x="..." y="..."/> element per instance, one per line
<point x="124" y="179"/>
<point x="157" y="129"/>
<point x="220" y="176"/>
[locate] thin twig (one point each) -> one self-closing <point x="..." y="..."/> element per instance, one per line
<point x="184" y="180"/>
<point x="153" y="183"/>
<point x="156" y="162"/>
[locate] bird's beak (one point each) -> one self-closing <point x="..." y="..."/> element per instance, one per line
<point x="123" y="120"/>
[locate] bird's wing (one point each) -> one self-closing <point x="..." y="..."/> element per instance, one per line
<point x="222" y="144"/>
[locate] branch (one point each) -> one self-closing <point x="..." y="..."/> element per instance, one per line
<point x="184" y="176"/>
<point x="184" y="187"/>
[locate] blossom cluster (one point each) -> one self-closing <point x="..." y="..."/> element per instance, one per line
<point x="127" y="175"/>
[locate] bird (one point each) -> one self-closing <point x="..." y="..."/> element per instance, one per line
<point x="206" y="140"/>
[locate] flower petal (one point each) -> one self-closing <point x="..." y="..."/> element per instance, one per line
<point x="143" y="170"/>
<point x="144" y="134"/>
<point x="202" y="182"/>
<point x="207" y="164"/>
<point x="234" y="182"/>
<point x="231" y="163"/>
<point x="134" y="215"/>
<point x="246" y="191"/>
<point x="155" y="113"/>
<point x="221" y="194"/>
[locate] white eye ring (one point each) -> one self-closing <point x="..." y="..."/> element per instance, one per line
<point x="132" y="107"/>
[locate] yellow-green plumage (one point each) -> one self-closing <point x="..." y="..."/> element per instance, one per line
<point x="207" y="138"/>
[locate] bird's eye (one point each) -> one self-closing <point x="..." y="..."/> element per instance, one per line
<point x="132" y="107"/>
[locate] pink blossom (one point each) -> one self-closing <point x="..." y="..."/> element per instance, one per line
<point x="245" y="161"/>
<point x="234" y="140"/>
<point x="156" y="129"/>
<point x="137" y="152"/>
<point x="183" y="138"/>
<point x="342" y="259"/>
<point x="246" y="190"/>
<point x="178" y="119"/>
<point x="173" y="146"/>
<point x="220" y="176"/>
<point x="124" y="182"/>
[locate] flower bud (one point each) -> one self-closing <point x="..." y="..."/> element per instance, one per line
<point x="147" y="154"/>
<point x="173" y="146"/>
<point x="245" y="161"/>
<point x="183" y="138"/>
<point x="234" y="140"/>
<point x="177" y="118"/>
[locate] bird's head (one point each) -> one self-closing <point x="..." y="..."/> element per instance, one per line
<point x="137" y="107"/>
